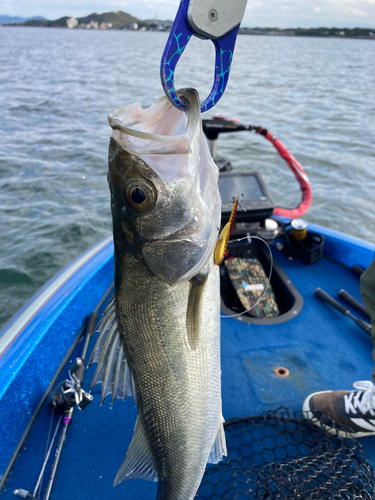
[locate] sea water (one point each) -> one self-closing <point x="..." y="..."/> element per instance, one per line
<point x="57" y="87"/>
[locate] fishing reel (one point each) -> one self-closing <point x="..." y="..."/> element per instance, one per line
<point x="69" y="392"/>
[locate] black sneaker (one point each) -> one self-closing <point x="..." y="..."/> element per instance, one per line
<point x="352" y="412"/>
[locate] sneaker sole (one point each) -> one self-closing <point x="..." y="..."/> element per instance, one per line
<point x="308" y="414"/>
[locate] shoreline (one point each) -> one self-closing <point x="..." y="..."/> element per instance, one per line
<point x="296" y="35"/>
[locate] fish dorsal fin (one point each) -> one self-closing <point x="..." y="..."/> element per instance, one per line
<point x="219" y="447"/>
<point x="139" y="462"/>
<point x="194" y="310"/>
<point x="113" y="371"/>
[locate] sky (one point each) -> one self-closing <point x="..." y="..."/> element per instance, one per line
<point x="263" y="13"/>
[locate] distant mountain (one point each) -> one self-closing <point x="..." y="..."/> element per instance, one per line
<point x="117" y="18"/>
<point x="59" y="23"/>
<point x="16" y="19"/>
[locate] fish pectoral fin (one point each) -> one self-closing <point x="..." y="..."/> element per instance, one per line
<point x="139" y="462"/>
<point x="219" y="447"/>
<point x="113" y="370"/>
<point x="194" y="310"/>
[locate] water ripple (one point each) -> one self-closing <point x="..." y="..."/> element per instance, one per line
<point x="57" y="87"/>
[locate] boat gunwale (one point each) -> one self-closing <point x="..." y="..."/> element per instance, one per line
<point x="15" y="326"/>
<point x="25" y="371"/>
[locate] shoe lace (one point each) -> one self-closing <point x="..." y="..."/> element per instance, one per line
<point x="363" y="398"/>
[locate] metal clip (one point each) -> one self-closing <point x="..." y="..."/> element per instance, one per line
<point x="217" y="20"/>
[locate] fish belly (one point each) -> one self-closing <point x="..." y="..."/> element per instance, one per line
<point x="178" y="389"/>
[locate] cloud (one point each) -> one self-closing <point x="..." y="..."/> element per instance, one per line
<point x="275" y="13"/>
<point x="294" y="13"/>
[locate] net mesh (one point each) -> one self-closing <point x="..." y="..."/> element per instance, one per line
<point x="284" y="456"/>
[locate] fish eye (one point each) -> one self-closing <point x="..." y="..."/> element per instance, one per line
<point x="140" y="196"/>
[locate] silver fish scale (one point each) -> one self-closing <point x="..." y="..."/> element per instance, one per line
<point x="179" y="391"/>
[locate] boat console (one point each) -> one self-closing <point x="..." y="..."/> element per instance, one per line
<point x="256" y="204"/>
<point x="246" y="294"/>
<point x="247" y="265"/>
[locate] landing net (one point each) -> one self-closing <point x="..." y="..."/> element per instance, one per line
<point x="284" y="456"/>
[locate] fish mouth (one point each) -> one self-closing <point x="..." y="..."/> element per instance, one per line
<point x="136" y="123"/>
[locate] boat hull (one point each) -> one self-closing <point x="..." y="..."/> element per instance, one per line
<point x="321" y="349"/>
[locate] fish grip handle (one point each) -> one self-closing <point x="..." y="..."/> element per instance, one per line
<point x="178" y="39"/>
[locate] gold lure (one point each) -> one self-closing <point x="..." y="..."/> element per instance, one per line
<point x="223" y="240"/>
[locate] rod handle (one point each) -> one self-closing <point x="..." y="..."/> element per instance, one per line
<point x="362" y="324"/>
<point x="91" y="322"/>
<point x="359" y="270"/>
<point x="353" y="302"/>
<point x="327" y="298"/>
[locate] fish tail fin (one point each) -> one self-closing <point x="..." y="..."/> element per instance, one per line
<point x="219" y="448"/>
<point x="139" y="462"/>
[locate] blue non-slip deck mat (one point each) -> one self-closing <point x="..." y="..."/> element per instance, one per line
<point x="321" y="348"/>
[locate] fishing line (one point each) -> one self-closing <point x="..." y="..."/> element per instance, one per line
<point x="248" y="237"/>
<point x="98" y="230"/>
<point x="48" y="453"/>
<point x="45" y="455"/>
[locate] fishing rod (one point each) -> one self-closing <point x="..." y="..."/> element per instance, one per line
<point x="343" y="310"/>
<point x="70" y="393"/>
<point x="354" y="302"/>
<point x="359" y="270"/>
<point x="59" y="395"/>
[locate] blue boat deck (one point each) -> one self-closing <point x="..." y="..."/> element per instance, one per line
<point x="321" y="348"/>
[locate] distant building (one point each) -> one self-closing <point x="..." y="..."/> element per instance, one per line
<point x="94" y="25"/>
<point x="72" y="23"/>
<point x="133" y="26"/>
<point x="105" y="26"/>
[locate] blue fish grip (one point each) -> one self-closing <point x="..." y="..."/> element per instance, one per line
<point x="178" y="39"/>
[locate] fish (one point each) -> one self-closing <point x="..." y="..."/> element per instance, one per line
<point x="159" y="339"/>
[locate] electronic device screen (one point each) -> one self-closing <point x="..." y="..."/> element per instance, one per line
<point x="247" y="187"/>
<point x="255" y="202"/>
